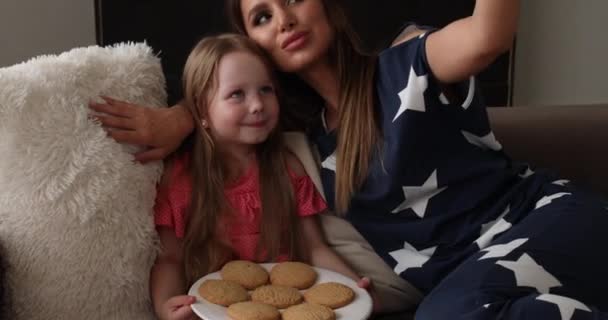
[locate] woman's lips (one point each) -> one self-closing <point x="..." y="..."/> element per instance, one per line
<point x="295" y="41"/>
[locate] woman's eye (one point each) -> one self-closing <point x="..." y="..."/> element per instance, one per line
<point x="289" y="2"/>
<point x="261" y="18"/>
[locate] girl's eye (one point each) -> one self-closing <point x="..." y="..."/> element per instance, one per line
<point x="291" y="1"/>
<point x="261" y="18"/>
<point x="267" y="90"/>
<point x="238" y="94"/>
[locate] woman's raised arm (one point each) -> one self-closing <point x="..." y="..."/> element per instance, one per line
<point x="467" y="46"/>
<point x="161" y="130"/>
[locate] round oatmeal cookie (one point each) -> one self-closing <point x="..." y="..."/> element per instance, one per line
<point x="278" y="296"/>
<point x="253" y="311"/>
<point x="331" y="294"/>
<point x="248" y="274"/>
<point x="223" y="292"/>
<point x="293" y="274"/>
<point x="309" y="311"/>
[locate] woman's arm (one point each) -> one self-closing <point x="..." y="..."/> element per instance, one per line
<point x="167" y="280"/>
<point x="467" y="46"/>
<point x="162" y="130"/>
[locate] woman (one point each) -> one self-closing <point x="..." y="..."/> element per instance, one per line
<point x="409" y="159"/>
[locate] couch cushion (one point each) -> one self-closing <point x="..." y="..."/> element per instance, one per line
<point x="570" y="140"/>
<point x="75" y="210"/>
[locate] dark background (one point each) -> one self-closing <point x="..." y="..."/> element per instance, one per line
<point x="173" y="27"/>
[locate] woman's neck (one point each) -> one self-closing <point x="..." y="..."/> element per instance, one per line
<point x="323" y="78"/>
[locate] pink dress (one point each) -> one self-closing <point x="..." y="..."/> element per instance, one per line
<point x="243" y="227"/>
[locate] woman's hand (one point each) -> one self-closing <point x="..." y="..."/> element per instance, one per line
<point x="366" y="283"/>
<point x="161" y="130"/>
<point x="178" y="308"/>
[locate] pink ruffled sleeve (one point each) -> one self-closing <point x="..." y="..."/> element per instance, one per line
<point x="173" y="199"/>
<point x="309" y="200"/>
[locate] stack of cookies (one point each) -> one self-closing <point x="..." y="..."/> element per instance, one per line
<point x="251" y="293"/>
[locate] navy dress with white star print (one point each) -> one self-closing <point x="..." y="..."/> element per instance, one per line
<point x="484" y="237"/>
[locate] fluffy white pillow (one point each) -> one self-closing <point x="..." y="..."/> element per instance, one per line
<point x="76" y="217"/>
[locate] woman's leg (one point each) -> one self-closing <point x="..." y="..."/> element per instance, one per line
<point x="551" y="265"/>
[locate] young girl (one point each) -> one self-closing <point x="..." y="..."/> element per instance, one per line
<point x="236" y="193"/>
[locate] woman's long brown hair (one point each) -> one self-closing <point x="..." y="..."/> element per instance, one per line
<point x="358" y="128"/>
<point x="204" y="250"/>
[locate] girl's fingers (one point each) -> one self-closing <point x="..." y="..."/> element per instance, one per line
<point x="178" y="302"/>
<point x="183" y="313"/>
<point x="364" y="283"/>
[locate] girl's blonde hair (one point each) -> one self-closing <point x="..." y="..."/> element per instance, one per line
<point x="203" y="248"/>
<point x="358" y="129"/>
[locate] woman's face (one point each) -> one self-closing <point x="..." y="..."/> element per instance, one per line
<point x="296" y="33"/>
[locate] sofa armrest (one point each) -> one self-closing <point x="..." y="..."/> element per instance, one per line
<point x="571" y="140"/>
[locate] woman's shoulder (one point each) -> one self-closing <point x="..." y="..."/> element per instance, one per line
<point x="407" y="46"/>
<point x="409" y="32"/>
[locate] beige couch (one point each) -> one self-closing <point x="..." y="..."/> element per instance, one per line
<point x="571" y="140"/>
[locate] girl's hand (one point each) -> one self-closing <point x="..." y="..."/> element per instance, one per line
<point x="161" y="130"/>
<point x="178" y="308"/>
<point x="366" y="283"/>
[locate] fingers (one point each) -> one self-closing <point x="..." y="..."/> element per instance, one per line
<point x="114" y="107"/>
<point x="115" y="122"/>
<point x="364" y="283"/>
<point x="184" y="312"/>
<point x="149" y="155"/>
<point x="178" y="301"/>
<point x="180" y="307"/>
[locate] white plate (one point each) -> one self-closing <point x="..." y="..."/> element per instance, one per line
<point x="359" y="309"/>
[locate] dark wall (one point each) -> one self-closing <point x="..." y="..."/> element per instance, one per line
<point x="173" y="27"/>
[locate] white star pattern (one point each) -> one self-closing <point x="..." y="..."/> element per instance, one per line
<point x="412" y="96"/>
<point x="330" y="162"/>
<point x="443" y="99"/>
<point x="566" y="305"/>
<point x="485" y="142"/>
<point x="501" y="250"/>
<point x="492" y="228"/>
<point x="409" y="257"/>
<point x="528" y="173"/>
<point x="562" y="182"/>
<point x="418" y="198"/>
<point x="467" y="102"/>
<point x="530" y="274"/>
<point x="548" y="199"/>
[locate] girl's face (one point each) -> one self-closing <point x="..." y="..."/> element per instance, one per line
<point x="244" y="108"/>
<point x="296" y="33"/>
